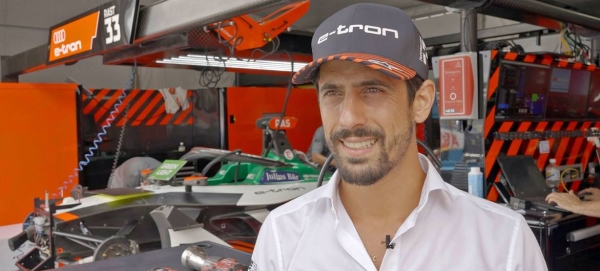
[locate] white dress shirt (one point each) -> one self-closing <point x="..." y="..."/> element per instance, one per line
<point x="449" y="230"/>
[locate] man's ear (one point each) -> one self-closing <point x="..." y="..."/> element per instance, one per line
<point x="423" y="101"/>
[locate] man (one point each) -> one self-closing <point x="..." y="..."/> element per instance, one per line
<point x="318" y="151"/>
<point x="129" y="174"/>
<point x="386" y="207"/>
<point x="590" y="206"/>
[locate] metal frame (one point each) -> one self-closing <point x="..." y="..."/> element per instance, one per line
<point x="4" y="71"/>
<point x="468" y="29"/>
<point x="533" y="12"/>
<point x="223" y="118"/>
<point x="486" y="33"/>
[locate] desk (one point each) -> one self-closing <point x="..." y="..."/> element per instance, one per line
<point x="551" y="231"/>
<point x="170" y="257"/>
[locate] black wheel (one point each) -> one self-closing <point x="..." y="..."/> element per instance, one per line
<point x="115" y="247"/>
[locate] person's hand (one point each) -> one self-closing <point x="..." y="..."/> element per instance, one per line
<point x="568" y="201"/>
<point x="595" y="194"/>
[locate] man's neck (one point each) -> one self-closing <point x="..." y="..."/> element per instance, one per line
<point x="391" y="199"/>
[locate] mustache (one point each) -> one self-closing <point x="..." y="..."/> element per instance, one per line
<point x="358" y="132"/>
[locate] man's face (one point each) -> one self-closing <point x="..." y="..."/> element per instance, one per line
<point x="367" y="120"/>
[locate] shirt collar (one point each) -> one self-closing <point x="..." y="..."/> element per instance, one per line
<point x="433" y="181"/>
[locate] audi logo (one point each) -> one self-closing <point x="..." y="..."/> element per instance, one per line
<point x="59" y="36"/>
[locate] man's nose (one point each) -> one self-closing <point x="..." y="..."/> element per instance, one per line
<point x="353" y="112"/>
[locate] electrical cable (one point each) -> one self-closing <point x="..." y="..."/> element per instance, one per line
<point x="237" y="171"/>
<point x="288" y="92"/>
<point x="275" y="46"/>
<point x="582" y="51"/>
<point x="563" y="174"/>
<point x="285" y="103"/>
<point x="323" y="170"/>
<point x="210" y="75"/>
<point x="436" y="162"/>
<point x="98" y="140"/>
<point x="465" y="23"/>
<point x="118" y="149"/>
<point x="573" y="45"/>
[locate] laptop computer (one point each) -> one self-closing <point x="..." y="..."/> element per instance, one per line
<point x="526" y="181"/>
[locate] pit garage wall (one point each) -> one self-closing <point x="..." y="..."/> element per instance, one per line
<point x="149" y="129"/>
<point x="566" y="150"/>
<point x="217" y="118"/>
<point x="38" y="150"/>
<point x="245" y="105"/>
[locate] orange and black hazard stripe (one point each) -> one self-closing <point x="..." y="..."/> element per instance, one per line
<point x="146" y="108"/>
<point x="566" y="150"/>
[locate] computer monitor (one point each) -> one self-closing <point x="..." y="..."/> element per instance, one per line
<point x="593" y="104"/>
<point x="568" y="94"/>
<point x="560" y="79"/>
<point x="523" y="176"/>
<point x="522" y="91"/>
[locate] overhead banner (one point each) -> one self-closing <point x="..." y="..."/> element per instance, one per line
<point x="106" y="27"/>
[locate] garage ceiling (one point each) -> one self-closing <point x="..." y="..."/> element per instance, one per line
<point x="321" y="10"/>
<point x="436" y="25"/>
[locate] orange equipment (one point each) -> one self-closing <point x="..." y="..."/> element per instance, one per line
<point x="245" y="33"/>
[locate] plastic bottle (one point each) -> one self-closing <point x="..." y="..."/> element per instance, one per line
<point x="475" y="180"/>
<point x="181" y="147"/>
<point x="552" y="174"/>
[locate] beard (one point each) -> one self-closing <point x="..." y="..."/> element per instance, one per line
<point x="359" y="170"/>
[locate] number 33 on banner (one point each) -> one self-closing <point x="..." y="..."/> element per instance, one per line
<point x="113" y="29"/>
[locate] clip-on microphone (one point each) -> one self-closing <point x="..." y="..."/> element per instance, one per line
<point x="387" y="242"/>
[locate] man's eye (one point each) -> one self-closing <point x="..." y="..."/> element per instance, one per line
<point x="331" y="93"/>
<point x="372" y="90"/>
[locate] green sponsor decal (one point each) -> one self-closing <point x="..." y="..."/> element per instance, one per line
<point x="167" y="170"/>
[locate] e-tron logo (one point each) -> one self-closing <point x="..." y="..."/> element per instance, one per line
<point x="369" y="29"/>
<point x="67" y="48"/>
<point x="59" y="36"/>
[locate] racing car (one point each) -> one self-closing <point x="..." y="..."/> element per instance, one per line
<point x="226" y="208"/>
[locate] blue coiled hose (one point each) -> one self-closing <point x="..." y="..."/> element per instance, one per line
<point x="102" y="133"/>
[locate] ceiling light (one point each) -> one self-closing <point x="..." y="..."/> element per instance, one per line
<point x="212" y="61"/>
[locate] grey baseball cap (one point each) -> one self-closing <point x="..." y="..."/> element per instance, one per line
<point x="378" y="36"/>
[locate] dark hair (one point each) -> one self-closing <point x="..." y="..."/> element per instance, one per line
<point x="412" y="86"/>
